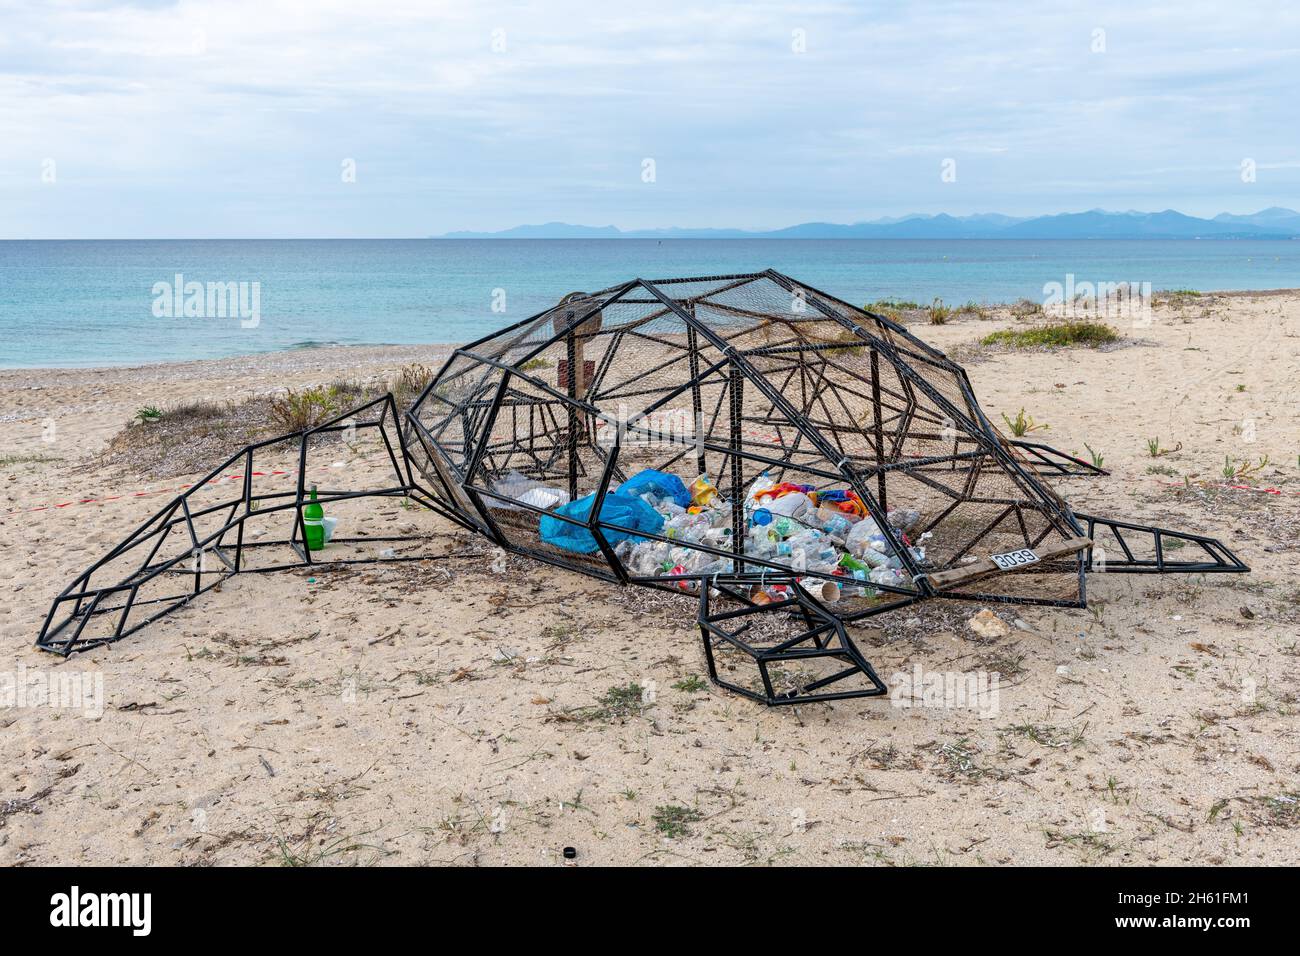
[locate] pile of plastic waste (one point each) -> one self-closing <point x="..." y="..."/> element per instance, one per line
<point x="799" y="527"/>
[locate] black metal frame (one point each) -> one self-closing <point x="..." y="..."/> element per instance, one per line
<point x="908" y="414"/>
<point x="819" y="635"/>
<point x="83" y="601"/>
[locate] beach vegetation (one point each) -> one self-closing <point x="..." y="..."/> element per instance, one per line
<point x="1023" y="424"/>
<point x="300" y="410"/>
<point x="411" y="382"/>
<point x="938" y="313"/>
<point x="1054" y="335"/>
<point x="675" y="821"/>
<point x="1155" y="451"/>
<point x="29" y="459"/>
<point x="1243" y="469"/>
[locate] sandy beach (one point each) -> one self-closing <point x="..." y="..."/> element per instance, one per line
<point x="445" y="712"/>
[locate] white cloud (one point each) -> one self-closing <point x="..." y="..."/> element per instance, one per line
<point x="239" y="112"/>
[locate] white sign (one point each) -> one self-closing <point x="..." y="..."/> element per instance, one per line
<point x="1015" y="559"/>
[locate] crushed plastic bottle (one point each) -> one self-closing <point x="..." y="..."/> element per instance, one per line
<point x="703" y="492"/>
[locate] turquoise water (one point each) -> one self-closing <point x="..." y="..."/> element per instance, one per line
<point x="93" y="302"/>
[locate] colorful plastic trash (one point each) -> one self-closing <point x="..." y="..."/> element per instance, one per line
<point x="618" y="508"/>
<point x="661" y="484"/>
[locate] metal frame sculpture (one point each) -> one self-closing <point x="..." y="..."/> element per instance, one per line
<point x="728" y="377"/>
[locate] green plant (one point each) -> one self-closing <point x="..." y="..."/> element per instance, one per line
<point x="1240" y="470"/>
<point x="1155" y="451"/>
<point x="535" y="364"/>
<point x="1054" y="335"/>
<point x="149" y="413"/>
<point x="1022" y="424"/>
<point x="1097" y="459"/>
<point x="626" y="700"/>
<point x="675" y="821"/>
<point x="891" y="305"/>
<point x="938" y="313"/>
<point x="690" y="685"/>
<point x="298" y="411"/>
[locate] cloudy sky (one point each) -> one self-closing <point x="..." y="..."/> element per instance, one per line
<point x="245" y="117"/>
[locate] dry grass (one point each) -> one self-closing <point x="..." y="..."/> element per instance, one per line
<point x="193" y="437"/>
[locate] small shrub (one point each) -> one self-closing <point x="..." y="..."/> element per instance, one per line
<point x="149" y="413"/>
<point x="675" y="821"/>
<point x="1054" y="335"/>
<point x="298" y="411"/>
<point x="939" y="313"/>
<point x="689" y="685"/>
<point x="410" y="383"/>
<point x="1022" y="424"/>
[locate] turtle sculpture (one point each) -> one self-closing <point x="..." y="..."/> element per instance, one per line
<point x="797" y="463"/>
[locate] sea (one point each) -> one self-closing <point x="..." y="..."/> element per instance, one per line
<point x="129" y="302"/>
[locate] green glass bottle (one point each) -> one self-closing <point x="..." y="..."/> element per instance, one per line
<point x="313" y="520"/>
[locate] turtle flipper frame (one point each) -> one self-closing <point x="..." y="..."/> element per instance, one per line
<point x="225" y="524"/>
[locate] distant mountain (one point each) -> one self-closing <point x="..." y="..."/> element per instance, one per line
<point x="1272" y="223"/>
<point x="1274" y="217"/>
<point x="1098" y="224"/>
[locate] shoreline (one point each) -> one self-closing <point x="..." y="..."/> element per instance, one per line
<point x="432" y="350"/>
<point x="290" y="359"/>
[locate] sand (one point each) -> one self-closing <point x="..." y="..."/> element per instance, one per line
<point x="444" y="713"/>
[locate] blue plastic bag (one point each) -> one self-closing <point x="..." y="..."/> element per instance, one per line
<point x="661" y="484"/>
<point x="618" y="509"/>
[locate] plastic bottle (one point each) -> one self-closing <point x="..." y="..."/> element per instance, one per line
<point x="836" y="524"/>
<point x="860" y="536"/>
<point x="313" y="523"/>
<point x="904" y="519"/>
<point x="703" y="492"/>
<point x="719" y="538"/>
<point x="851" y="564"/>
<point x="759" y="544"/>
<point x="648" y="557"/>
<point x="890" y="576"/>
<point x="688" y="527"/>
